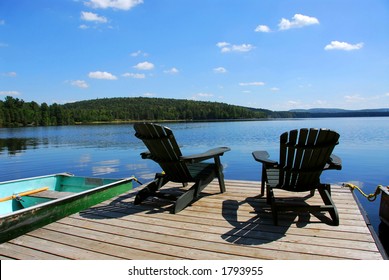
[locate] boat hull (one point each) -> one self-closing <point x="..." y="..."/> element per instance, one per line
<point x="36" y="214"/>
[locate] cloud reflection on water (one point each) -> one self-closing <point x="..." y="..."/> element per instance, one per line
<point x="106" y="167"/>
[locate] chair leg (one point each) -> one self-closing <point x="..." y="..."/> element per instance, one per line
<point x="192" y="194"/>
<point x="270" y="199"/>
<point x="184" y="200"/>
<point x="189" y="196"/>
<point x="274" y="211"/>
<point x="220" y="175"/>
<point x="264" y="179"/>
<point x="269" y="195"/>
<point x="325" y="191"/>
<point x="151" y="188"/>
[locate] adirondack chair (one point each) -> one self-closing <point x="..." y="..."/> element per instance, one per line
<point x="304" y="154"/>
<point x="164" y="150"/>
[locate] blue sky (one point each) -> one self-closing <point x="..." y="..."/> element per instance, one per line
<point x="272" y="54"/>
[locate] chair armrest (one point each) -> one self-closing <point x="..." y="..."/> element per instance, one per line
<point x="145" y="155"/>
<point x="206" y="155"/>
<point x="263" y="157"/>
<point x="334" y="162"/>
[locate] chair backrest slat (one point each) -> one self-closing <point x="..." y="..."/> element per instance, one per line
<point x="164" y="150"/>
<point x="310" y="160"/>
<point x="283" y="155"/>
<point x="290" y="152"/>
<point x="300" y="155"/>
<point x="303" y="156"/>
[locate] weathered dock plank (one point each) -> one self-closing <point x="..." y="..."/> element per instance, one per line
<point x="234" y="225"/>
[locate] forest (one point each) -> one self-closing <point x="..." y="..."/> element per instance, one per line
<point x="15" y="112"/>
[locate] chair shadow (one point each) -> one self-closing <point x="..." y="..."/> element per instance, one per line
<point x="259" y="229"/>
<point x="117" y="208"/>
<point x="123" y="205"/>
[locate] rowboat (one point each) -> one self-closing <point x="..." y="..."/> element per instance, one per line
<point x="31" y="203"/>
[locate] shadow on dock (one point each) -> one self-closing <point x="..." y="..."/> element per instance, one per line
<point x="117" y="208"/>
<point x="259" y="229"/>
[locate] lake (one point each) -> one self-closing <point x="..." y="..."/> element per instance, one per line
<point x="113" y="151"/>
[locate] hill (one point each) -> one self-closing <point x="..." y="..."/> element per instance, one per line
<point x="16" y="112"/>
<point x="335" y="112"/>
<point x="319" y="110"/>
<point x="142" y="108"/>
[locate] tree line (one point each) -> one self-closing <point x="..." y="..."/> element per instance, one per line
<point x="16" y="112"/>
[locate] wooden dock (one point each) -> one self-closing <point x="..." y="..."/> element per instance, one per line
<point x="232" y="225"/>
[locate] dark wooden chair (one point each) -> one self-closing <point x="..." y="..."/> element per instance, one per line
<point x="164" y="150"/>
<point x="304" y="155"/>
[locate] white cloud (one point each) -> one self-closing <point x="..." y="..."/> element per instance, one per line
<point x="227" y="47"/>
<point x="79" y="83"/>
<point x="201" y="95"/>
<point x="148" y="94"/>
<point x="262" y="28"/>
<point x="115" y="4"/>
<point x="102" y="75"/>
<point x="88" y="16"/>
<point x="297" y="21"/>
<point x="144" y="66"/>
<point x="293" y="103"/>
<point x="10" y="93"/>
<point x="222" y="44"/>
<point x="252" y="84"/>
<point x="336" y="45"/>
<point x="242" y="48"/>
<point x="220" y="70"/>
<point x="367" y="101"/>
<point x="354" y="98"/>
<point x="320" y="103"/>
<point x="138" y="53"/>
<point x="134" y="75"/>
<point x="10" y="74"/>
<point x="173" y="70"/>
<point x="274" y="89"/>
<point x="305" y="85"/>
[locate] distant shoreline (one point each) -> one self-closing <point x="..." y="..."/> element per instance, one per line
<point x="118" y="122"/>
<point x="15" y="112"/>
<point x="217" y="120"/>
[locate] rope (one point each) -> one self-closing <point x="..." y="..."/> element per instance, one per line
<point x="371" y="197"/>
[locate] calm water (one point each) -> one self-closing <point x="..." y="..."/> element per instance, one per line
<point x="113" y="151"/>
